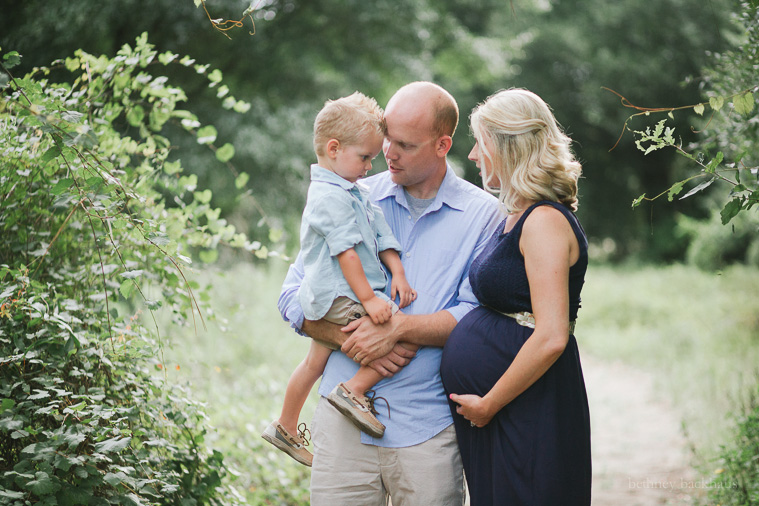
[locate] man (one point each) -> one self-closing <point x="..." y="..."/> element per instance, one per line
<point x="442" y="222"/>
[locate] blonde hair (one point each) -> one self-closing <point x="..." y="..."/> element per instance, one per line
<point x="348" y="119"/>
<point x="531" y="154"/>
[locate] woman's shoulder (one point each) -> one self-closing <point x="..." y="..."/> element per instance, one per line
<point x="547" y="218"/>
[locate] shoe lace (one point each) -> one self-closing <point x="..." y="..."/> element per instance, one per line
<point x="304" y="433"/>
<point x="371" y="397"/>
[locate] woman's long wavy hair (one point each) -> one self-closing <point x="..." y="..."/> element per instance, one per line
<point x="531" y="154"/>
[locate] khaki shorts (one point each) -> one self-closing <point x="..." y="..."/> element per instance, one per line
<point x="343" y="311"/>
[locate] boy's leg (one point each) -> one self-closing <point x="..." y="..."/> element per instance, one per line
<point x="300" y="384"/>
<point x="363" y="380"/>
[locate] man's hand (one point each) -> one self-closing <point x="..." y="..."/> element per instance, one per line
<point x="369" y="341"/>
<point x="394" y="361"/>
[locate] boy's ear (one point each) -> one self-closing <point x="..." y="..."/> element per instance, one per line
<point x="333" y="145"/>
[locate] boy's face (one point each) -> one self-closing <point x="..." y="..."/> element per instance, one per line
<point x="354" y="161"/>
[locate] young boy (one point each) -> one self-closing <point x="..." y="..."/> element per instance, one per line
<point x="343" y="240"/>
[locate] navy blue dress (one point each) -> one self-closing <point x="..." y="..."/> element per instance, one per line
<point x="536" y="450"/>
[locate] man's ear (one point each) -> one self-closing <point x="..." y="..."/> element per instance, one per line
<point x="443" y="145"/>
<point x="333" y="146"/>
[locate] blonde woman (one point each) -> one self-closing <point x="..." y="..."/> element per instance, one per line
<point x="511" y="367"/>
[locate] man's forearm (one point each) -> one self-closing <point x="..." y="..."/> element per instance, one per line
<point x="426" y="329"/>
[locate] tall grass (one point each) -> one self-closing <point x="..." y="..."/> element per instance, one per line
<point x="696" y="332"/>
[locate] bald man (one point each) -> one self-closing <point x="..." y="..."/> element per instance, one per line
<point x="442" y="223"/>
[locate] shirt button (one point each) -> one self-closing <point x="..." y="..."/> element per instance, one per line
<point x="408" y="255"/>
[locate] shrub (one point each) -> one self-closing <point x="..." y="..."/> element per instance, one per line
<point x="98" y="225"/>
<point x="737" y="481"/>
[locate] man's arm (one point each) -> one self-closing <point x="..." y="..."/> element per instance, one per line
<point x="369" y="341"/>
<point x="289" y="308"/>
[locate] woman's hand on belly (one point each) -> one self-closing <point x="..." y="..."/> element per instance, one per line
<point x="474" y="408"/>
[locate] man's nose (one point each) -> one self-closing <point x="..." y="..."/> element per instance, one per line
<point x="390" y="151"/>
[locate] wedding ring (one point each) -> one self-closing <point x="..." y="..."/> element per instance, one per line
<point x="355" y="358"/>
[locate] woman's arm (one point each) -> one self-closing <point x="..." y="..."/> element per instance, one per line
<point x="549" y="247"/>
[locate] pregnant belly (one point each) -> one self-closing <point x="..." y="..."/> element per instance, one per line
<point x="479" y="350"/>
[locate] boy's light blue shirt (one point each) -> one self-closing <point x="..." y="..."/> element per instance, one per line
<point x="438" y="251"/>
<point x="338" y="216"/>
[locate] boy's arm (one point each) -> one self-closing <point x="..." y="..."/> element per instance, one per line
<point x="353" y="271"/>
<point x="399" y="284"/>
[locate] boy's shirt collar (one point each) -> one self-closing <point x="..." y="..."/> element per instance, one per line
<point x="319" y="173"/>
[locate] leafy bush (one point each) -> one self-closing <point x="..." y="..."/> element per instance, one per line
<point x="713" y="245"/>
<point x="737" y="481"/>
<point x="98" y="225"/>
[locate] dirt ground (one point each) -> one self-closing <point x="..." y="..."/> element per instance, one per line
<point x="640" y="456"/>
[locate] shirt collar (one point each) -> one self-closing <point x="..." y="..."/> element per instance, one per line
<point x="319" y="173"/>
<point x="447" y="194"/>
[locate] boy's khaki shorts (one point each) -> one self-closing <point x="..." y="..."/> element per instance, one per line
<point x="343" y="311"/>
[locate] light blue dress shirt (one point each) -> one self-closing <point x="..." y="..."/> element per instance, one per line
<point x="339" y="215"/>
<point x="438" y="250"/>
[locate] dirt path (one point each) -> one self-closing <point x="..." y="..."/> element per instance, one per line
<point x="640" y="456"/>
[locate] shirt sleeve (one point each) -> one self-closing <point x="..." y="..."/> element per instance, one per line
<point x="288" y="303"/>
<point x="466" y="301"/>
<point x="333" y="217"/>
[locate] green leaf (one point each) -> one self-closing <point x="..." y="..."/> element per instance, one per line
<point x="637" y="201"/>
<point x="61" y="186"/>
<point x="699" y="109"/>
<point x="6" y="404"/>
<point x="126" y="288"/>
<point x="744" y="103"/>
<point x="730" y="210"/>
<point x="241" y="180"/>
<point x="203" y="197"/>
<point x="11" y="59"/>
<point x="241" y="106"/>
<point x="215" y="76"/>
<point x="208" y="256"/>
<point x="135" y="115"/>
<point x="112" y="445"/>
<point x="53" y="152"/>
<point x="714" y="163"/>
<point x="207" y="134"/>
<point x="716" y="103"/>
<point x="225" y="153"/>
<point x="675" y="189"/>
<point x="167" y="57"/>
<point x="12" y="495"/>
<point x="114" y="479"/>
<point x="42" y="484"/>
<point x="132" y="274"/>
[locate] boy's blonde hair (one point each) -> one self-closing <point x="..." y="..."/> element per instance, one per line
<point x="349" y="120"/>
<point x="531" y="154"/>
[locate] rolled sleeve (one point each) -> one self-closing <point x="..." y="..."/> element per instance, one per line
<point x="288" y="303"/>
<point x="342" y="238"/>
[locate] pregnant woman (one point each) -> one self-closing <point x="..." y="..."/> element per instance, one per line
<point x="511" y="367"/>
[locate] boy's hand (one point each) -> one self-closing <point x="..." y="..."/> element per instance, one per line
<point x="378" y="310"/>
<point x="405" y="293"/>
